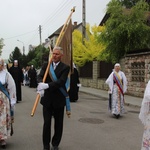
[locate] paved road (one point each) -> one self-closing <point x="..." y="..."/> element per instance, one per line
<point x="90" y="127"/>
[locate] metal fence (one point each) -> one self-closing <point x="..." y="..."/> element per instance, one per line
<point x="105" y="69"/>
<point x="86" y="71"/>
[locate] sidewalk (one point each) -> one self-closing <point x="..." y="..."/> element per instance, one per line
<point x="129" y="100"/>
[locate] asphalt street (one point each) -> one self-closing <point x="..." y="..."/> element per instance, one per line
<point x="91" y="126"/>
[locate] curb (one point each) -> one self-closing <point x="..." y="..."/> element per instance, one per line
<point x="106" y="98"/>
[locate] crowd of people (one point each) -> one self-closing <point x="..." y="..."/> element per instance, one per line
<point x="30" y="76"/>
<point x="54" y="97"/>
<point x="53" y="92"/>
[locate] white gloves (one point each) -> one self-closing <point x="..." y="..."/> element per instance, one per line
<point x="13" y="102"/>
<point x="79" y="85"/>
<point x="42" y="86"/>
<point x="41" y="93"/>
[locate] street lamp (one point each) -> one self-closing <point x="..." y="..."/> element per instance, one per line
<point x="23" y="46"/>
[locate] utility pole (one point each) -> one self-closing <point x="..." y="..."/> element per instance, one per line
<point x="23" y="46"/>
<point x="83" y="21"/>
<point x="40" y="31"/>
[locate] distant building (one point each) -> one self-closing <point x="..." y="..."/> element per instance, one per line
<point x="31" y="47"/>
<point x="53" y="37"/>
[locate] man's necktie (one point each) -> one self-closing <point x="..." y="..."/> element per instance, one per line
<point x="55" y="66"/>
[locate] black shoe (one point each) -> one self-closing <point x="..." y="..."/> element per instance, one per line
<point x="46" y="148"/>
<point x="117" y="116"/>
<point x="55" y="148"/>
<point x="3" y="144"/>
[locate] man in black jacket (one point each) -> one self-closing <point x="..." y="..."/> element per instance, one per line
<point x="52" y="98"/>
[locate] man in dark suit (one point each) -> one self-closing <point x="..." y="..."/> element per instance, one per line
<point x="53" y="100"/>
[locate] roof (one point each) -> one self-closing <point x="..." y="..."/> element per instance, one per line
<point x="56" y="33"/>
<point x="104" y="19"/>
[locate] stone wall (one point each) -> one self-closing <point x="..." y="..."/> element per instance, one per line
<point x="136" y="68"/>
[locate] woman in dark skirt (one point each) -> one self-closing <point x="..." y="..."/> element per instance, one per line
<point x="74" y="88"/>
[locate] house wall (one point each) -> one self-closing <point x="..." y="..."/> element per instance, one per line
<point x="136" y="68"/>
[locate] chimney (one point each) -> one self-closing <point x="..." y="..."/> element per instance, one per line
<point x="75" y="23"/>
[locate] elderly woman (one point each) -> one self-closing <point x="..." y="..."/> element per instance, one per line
<point x="117" y="83"/>
<point x="144" y="116"/>
<point x="7" y="102"/>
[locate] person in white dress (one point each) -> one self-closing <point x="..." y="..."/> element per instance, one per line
<point x="144" y="116"/>
<point x="7" y="103"/>
<point x="117" y="83"/>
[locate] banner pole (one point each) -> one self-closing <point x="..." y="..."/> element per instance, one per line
<point x="48" y="66"/>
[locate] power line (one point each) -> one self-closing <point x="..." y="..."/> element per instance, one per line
<point x="19" y="35"/>
<point x="58" y="13"/>
<point x="52" y="18"/>
<point x="55" y="12"/>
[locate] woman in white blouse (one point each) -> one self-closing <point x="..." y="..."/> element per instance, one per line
<point x="117" y="83"/>
<point x="7" y="102"/>
<point x="144" y="116"/>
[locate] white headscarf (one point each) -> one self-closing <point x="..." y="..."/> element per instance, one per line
<point x="117" y="65"/>
<point x="145" y="107"/>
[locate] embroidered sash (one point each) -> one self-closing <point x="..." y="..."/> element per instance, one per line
<point x="3" y="89"/>
<point x="118" y="82"/>
<point x="54" y="78"/>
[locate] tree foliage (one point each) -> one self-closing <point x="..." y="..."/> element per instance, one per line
<point x="91" y="48"/>
<point x="34" y="57"/>
<point x="129" y="3"/>
<point x="125" y="30"/>
<point x="38" y="56"/>
<point x="15" y="55"/>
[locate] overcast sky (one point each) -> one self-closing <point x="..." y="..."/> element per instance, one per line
<point x="20" y="19"/>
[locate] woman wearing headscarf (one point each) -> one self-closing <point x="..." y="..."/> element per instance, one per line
<point x="7" y="102"/>
<point x="74" y="85"/>
<point x="144" y="116"/>
<point x="117" y="83"/>
<point x="32" y="74"/>
<point x="17" y="75"/>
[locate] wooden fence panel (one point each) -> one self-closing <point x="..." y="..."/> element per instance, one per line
<point x="105" y="69"/>
<point x="87" y="70"/>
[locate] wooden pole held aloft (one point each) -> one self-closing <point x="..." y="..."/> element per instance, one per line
<point x="48" y="66"/>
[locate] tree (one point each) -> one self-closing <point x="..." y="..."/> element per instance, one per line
<point x="125" y="30"/>
<point x="91" y="48"/>
<point x="15" y="55"/>
<point x="37" y="56"/>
